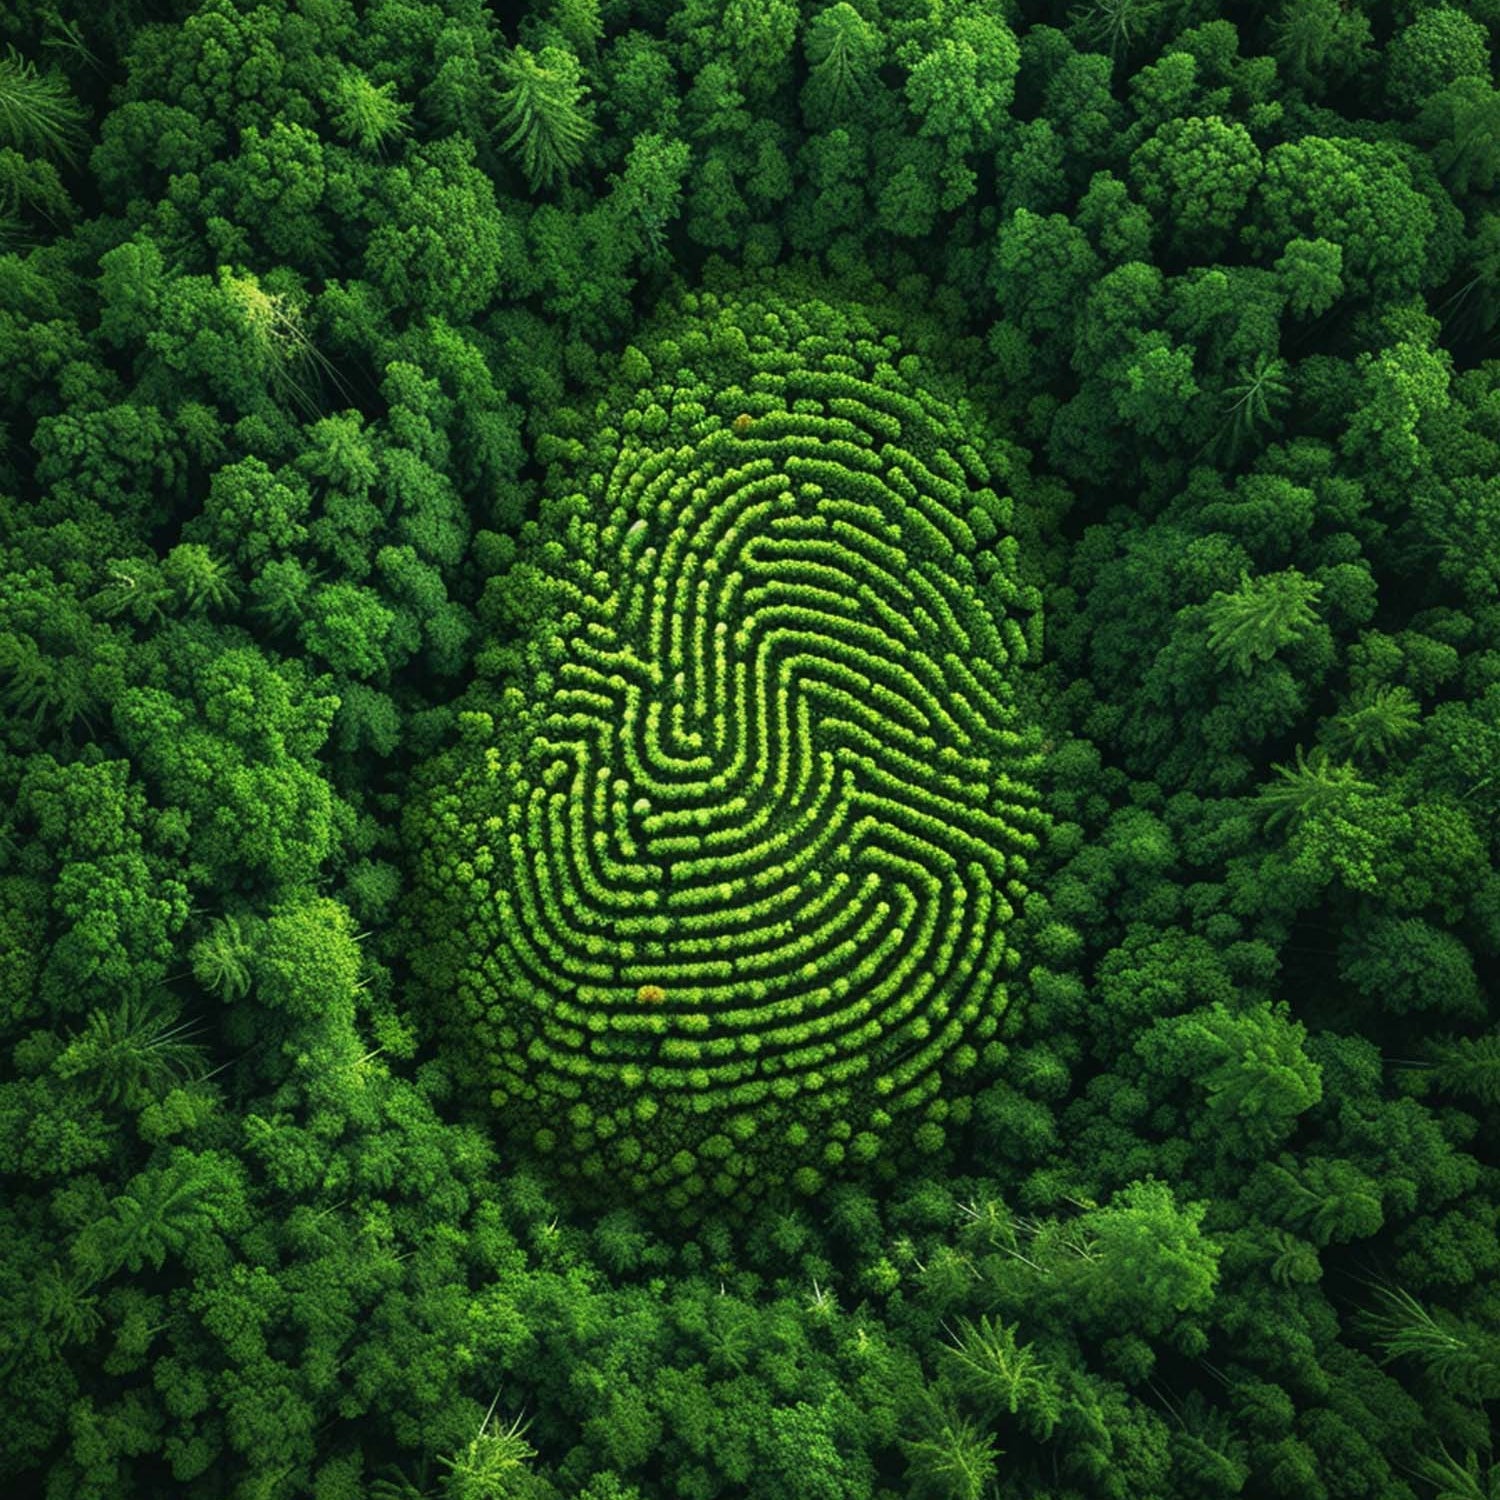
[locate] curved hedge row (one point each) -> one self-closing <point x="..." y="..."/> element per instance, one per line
<point x="717" y="885"/>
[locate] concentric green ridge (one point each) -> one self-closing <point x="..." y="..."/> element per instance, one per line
<point x="716" y="886"/>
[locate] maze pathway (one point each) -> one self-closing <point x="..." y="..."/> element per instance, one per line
<point x="751" y="867"/>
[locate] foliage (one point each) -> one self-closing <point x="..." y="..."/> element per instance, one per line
<point x="716" y="861"/>
<point x="748" y="749"/>
<point x="541" y="111"/>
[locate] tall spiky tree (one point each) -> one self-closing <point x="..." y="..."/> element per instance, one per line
<point x="954" y="1458"/>
<point x="221" y="959"/>
<point x="132" y="1051"/>
<point x="1467" y="1066"/>
<point x="1377" y="721"/>
<point x="492" y="1460"/>
<point x="37" y="113"/>
<point x="368" y="114"/>
<point x="1314" y="784"/>
<point x="1459" y="1355"/>
<point x="540" y="109"/>
<point x="1115" y="25"/>
<point x="1258" y="389"/>
<point x="1261" y="616"/>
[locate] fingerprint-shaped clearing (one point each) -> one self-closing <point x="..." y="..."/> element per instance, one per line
<point x="750" y="853"/>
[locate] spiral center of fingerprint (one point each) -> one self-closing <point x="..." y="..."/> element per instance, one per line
<point x="766" y="820"/>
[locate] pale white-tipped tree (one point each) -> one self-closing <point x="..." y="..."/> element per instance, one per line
<point x="489" y="1466"/>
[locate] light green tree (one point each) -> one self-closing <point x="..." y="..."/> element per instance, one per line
<point x="540" y="107"/>
<point x="37" y="113"/>
<point x="132" y="1051"/>
<point x="1315" y="784"/>
<point x="1377" y="721"/>
<point x="488" y="1467"/>
<point x="368" y="114"/>
<point x="1261" y="616"/>
<point x="953" y="1459"/>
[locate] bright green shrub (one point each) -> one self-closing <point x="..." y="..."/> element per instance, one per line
<point x="735" y="839"/>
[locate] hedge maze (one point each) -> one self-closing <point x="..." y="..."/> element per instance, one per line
<point x="725" y="869"/>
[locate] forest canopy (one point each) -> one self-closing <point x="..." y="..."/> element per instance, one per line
<point x="747" y="750"/>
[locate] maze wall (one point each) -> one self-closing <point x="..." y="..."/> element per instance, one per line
<point x="735" y="851"/>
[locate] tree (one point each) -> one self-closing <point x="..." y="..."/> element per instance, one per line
<point x="1459" y="1481"/>
<point x="959" y="89"/>
<point x="132" y="1052"/>
<point x="238" y="756"/>
<point x="1081" y="106"/>
<point x="1251" y="398"/>
<point x="1311" y="274"/>
<point x="221" y="959"/>
<point x="579" y="24"/>
<point x="1321" y="43"/>
<point x="37" y="112"/>
<point x="1441" y="45"/>
<point x="1196" y="175"/>
<point x="162" y="1212"/>
<point x="1041" y="270"/>
<point x="1259" y="618"/>
<point x="1458" y="1355"/>
<point x="1328" y="1197"/>
<point x="1461" y="124"/>
<point x="1250" y="1062"/>
<point x="1154" y="388"/>
<point x="355" y="632"/>
<point x="1116" y="24"/>
<point x="1359" y="195"/>
<point x="907" y="196"/>
<point x="369" y="114"/>
<point x="540" y="107"/>
<point x="1376" y="720"/>
<point x="959" y="92"/>
<point x="807" y="1450"/>
<point x="275" y="186"/>
<point x="1405" y="964"/>
<point x="831" y="207"/>
<point x="989" y="1365"/>
<point x="647" y="196"/>
<point x="844" y="53"/>
<point x="953" y="1458"/>
<point x="307" y="962"/>
<point x="437" y="245"/>
<point x="1467" y="1066"/>
<point x="488" y="1466"/>
<point x="1314" y="785"/>
<point x="752" y="39"/>
<point x="197" y="578"/>
<point x="1117" y="226"/>
<point x="115" y="906"/>
<point x="1142" y="1262"/>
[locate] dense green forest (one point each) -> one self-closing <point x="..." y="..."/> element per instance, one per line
<point x="749" y="750"/>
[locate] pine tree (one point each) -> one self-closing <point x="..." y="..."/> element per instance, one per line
<point x="541" y="110"/>
<point x="1260" y="617"/>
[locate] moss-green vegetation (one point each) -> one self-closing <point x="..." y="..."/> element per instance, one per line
<point x="749" y="749"/>
<point x="720" y="875"/>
